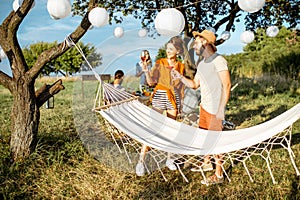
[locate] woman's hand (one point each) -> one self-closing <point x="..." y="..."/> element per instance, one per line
<point x="144" y="66"/>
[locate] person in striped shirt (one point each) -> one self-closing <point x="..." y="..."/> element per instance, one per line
<point x="168" y="92"/>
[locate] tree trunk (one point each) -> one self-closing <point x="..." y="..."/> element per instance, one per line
<point x="25" y="119"/>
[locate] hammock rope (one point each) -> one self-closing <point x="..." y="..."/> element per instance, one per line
<point x="130" y="124"/>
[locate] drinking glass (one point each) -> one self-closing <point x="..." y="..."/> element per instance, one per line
<point x="143" y="56"/>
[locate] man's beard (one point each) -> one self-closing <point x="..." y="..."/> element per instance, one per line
<point x="200" y="51"/>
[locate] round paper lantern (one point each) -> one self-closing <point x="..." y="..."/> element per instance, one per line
<point x="247" y="37"/>
<point x="59" y="9"/>
<point x="17" y="3"/>
<point x="98" y="17"/>
<point x="272" y="31"/>
<point x="169" y="22"/>
<point x="251" y="6"/>
<point x="118" y="32"/>
<point x="143" y="32"/>
<point x="211" y="29"/>
<point x="2" y="54"/>
<point x="225" y="35"/>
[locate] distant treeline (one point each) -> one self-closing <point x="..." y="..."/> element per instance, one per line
<point x="278" y="55"/>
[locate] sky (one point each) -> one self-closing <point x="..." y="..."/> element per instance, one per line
<point x="118" y="53"/>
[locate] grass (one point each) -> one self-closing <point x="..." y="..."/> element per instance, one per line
<point x="62" y="168"/>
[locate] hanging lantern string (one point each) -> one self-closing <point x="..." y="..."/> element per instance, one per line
<point x="189" y="4"/>
<point x="151" y="9"/>
<point x="183" y="6"/>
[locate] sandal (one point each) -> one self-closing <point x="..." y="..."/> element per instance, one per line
<point x="213" y="180"/>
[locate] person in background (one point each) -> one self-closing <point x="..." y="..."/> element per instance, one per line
<point x="116" y="83"/>
<point x="119" y="76"/>
<point x="144" y="62"/>
<point x="167" y="92"/>
<point x="214" y="79"/>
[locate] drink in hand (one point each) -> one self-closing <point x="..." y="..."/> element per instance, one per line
<point x="143" y="56"/>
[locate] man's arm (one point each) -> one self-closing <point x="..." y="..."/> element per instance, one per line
<point x="225" y="79"/>
<point x="226" y="83"/>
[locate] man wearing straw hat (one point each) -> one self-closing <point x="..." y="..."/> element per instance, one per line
<point x="214" y="78"/>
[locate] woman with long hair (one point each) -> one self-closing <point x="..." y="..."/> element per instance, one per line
<point x="167" y="93"/>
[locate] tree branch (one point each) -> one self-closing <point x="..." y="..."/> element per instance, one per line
<point x="230" y="19"/>
<point x="58" y="50"/>
<point x="14" y="53"/>
<point x="47" y="91"/>
<point x="6" y="81"/>
<point x="157" y="4"/>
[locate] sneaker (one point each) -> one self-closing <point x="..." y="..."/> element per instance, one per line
<point x="170" y="164"/>
<point x="213" y="180"/>
<point x="140" y="169"/>
<point x="204" y="167"/>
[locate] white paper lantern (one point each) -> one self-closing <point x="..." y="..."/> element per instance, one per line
<point x="118" y="32"/>
<point x="272" y="31"/>
<point x="211" y="29"/>
<point x="169" y="22"/>
<point x="98" y="17"/>
<point x="251" y="6"/>
<point x="2" y="54"/>
<point x="142" y="32"/>
<point x="225" y="35"/>
<point x="247" y="37"/>
<point x="18" y="3"/>
<point x="59" y="9"/>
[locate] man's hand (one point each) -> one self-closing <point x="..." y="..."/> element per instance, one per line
<point x="175" y="75"/>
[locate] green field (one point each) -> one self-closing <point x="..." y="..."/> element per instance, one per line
<point x="62" y="167"/>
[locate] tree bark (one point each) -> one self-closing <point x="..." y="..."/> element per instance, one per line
<point x="25" y="117"/>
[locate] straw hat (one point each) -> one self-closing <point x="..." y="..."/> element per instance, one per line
<point x="208" y="36"/>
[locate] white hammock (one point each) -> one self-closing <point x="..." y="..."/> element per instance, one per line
<point x="160" y="132"/>
<point x="146" y="126"/>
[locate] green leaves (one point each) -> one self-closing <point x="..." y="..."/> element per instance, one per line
<point x="199" y="14"/>
<point x="70" y="62"/>
<point x="278" y="55"/>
